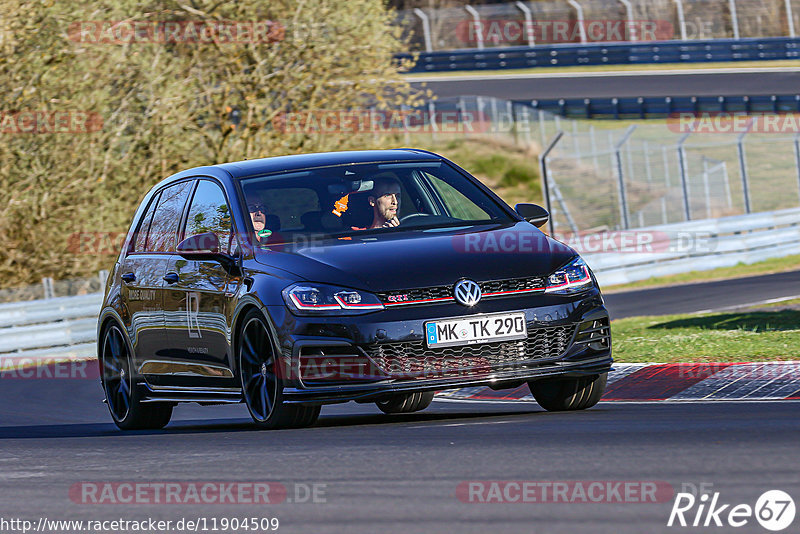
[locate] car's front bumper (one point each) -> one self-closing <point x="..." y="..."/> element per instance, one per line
<point x="568" y="336"/>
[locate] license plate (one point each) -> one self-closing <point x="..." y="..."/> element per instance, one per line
<point x="476" y="329"/>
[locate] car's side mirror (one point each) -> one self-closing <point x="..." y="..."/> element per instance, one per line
<point x="534" y="214"/>
<point x="206" y="247"/>
<point x="199" y="246"/>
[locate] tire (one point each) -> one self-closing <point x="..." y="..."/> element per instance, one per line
<point x="122" y="396"/>
<point x="406" y="402"/>
<point x="564" y="394"/>
<point x="262" y="384"/>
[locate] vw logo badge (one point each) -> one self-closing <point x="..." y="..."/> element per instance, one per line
<point x="467" y="292"/>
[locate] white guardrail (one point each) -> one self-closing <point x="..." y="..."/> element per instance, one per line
<point x="65" y="327"/>
<point x="700" y="245"/>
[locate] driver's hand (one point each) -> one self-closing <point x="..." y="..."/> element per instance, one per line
<point x="392" y="223"/>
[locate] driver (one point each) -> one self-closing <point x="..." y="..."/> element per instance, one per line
<point x="385" y="202"/>
<point x="258" y="214"/>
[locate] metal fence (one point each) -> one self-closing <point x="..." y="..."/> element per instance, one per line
<point x="585" y="21"/>
<point x="601" y="176"/>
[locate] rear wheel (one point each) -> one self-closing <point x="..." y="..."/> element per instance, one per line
<point x="124" y="400"/>
<point x="406" y="403"/>
<point x="262" y="385"/>
<point x="562" y="394"/>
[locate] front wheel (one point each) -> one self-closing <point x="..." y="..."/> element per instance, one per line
<point x="262" y="385"/>
<point x="562" y="394"/>
<point x="124" y="402"/>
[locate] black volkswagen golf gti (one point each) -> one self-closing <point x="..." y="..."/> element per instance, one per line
<point x="291" y="282"/>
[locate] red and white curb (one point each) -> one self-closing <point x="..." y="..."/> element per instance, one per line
<point x="675" y="382"/>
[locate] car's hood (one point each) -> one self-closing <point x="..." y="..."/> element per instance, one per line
<point x="423" y="258"/>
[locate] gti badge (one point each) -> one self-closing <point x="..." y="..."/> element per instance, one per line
<point x="467" y="292"/>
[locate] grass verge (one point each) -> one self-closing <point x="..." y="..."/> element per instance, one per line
<point x="763" y="334"/>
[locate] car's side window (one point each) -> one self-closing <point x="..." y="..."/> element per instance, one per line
<point x="209" y="212"/>
<point x="140" y="238"/>
<point x="162" y="236"/>
<point x="459" y="205"/>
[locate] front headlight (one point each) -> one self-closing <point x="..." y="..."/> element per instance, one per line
<point x="574" y="277"/>
<point x="322" y="299"/>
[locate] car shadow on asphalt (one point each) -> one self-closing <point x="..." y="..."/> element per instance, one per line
<point x="81" y="430"/>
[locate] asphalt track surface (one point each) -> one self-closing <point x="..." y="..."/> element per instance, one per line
<point x="699" y="83"/>
<point x="721" y="295"/>
<point x="380" y="473"/>
<point x="395" y="473"/>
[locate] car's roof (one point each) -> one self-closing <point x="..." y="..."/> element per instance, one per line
<point x="255" y="167"/>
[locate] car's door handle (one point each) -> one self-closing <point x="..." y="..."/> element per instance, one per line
<point x="128" y="277"/>
<point x="172" y="278"/>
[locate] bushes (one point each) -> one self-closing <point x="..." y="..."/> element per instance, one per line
<point x="166" y="107"/>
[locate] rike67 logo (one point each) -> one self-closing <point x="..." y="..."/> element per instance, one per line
<point x="774" y="510"/>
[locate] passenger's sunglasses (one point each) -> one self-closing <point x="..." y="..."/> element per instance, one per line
<point x="256" y="208"/>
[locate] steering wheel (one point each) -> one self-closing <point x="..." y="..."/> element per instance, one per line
<point x="413" y="215"/>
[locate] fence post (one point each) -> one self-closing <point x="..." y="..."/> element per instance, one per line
<point x="743" y="166"/>
<point x="593" y="144"/>
<point x="631" y="26"/>
<point x="47" y="286"/>
<point x="797" y="159"/>
<point x="406" y="127"/>
<point x="546" y="178"/>
<point x="666" y="166"/>
<point x="103" y="276"/>
<point x="727" y="184"/>
<point x="684" y="180"/>
<point x="581" y="25"/>
<point x="512" y="121"/>
<point x="426" y="28"/>
<point x="734" y="18"/>
<point x="790" y="17"/>
<point x="527" y="120"/>
<point x="647" y="170"/>
<point x="706" y="188"/>
<point x="375" y="136"/>
<point x="575" y="142"/>
<point x="432" y="119"/>
<point x="682" y="19"/>
<point x="529" y="34"/>
<point x="477" y="25"/>
<point x="623" y="197"/>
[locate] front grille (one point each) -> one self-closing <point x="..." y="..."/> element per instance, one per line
<point x="412" y="359"/>
<point x="492" y="288"/>
<point x="414" y="296"/>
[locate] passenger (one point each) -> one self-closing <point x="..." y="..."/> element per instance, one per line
<point x="385" y="202"/>
<point x="258" y="214"/>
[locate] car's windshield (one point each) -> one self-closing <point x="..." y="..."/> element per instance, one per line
<point x="347" y="200"/>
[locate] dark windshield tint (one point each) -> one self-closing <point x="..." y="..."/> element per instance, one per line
<point x="345" y="200"/>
